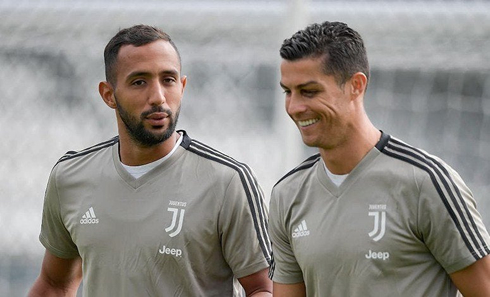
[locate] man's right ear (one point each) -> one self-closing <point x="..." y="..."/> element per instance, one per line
<point x="106" y="91"/>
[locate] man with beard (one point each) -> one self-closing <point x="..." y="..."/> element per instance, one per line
<point x="151" y="212"/>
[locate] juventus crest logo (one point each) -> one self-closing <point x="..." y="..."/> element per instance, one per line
<point x="177" y="218"/>
<point x="378" y="211"/>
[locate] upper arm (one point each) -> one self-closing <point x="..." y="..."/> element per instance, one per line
<point x="286" y="268"/>
<point x="474" y="280"/>
<point x="289" y="290"/>
<point x="449" y="223"/>
<point x="257" y="284"/>
<point x="58" y="277"/>
<point x="242" y="227"/>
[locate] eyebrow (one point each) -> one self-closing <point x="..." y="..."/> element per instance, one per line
<point x="145" y="73"/>
<point x="303" y="85"/>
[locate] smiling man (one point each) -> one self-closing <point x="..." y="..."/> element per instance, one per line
<point x="151" y="212"/>
<point x="369" y="215"/>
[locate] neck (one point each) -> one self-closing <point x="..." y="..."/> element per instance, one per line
<point x="342" y="159"/>
<point x="134" y="154"/>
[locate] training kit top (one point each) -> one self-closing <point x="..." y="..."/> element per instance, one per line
<point x="400" y="222"/>
<point x="189" y="227"/>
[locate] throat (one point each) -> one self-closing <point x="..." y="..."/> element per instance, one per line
<point x="337" y="179"/>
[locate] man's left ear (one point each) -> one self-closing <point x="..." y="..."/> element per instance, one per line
<point x="106" y="92"/>
<point x="183" y="79"/>
<point x="358" y="83"/>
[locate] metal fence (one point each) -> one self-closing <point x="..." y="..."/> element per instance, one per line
<point x="430" y="86"/>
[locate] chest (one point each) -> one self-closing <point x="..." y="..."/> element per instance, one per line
<point x="155" y="219"/>
<point x="355" y="231"/>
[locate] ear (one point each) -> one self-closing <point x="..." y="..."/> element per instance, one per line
<point x="183" y="80"/>
<point x="358" y="84"/>
<point x="106" y="91"/>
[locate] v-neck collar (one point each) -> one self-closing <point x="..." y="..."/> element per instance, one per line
<point x="357" y="172"/>
<point x="138" y="182"/>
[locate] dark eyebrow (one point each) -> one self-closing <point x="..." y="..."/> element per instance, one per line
<point x="170" y="72"/>
<point x="144" y="73"/>
<point x="303" y="85"/>
<point x="137" y="74"/>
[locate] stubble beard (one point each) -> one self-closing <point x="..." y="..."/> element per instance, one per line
<point x="137" y="130"/>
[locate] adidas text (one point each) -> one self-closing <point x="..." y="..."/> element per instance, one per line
<point x="301" y="233"/>
<point x="89" y="221"/>
<point x="170" y="251"/>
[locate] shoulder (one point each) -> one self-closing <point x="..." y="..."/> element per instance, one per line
<point x="73" y="156"/>
<point x="426" y="172"/>
<point x="300" y="171"/>
<point x="415" y="157"/>
<point x="74" y="165"/>
<point x="213" y="157"/>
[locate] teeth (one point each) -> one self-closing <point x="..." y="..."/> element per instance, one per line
<point x="307" y="122"/>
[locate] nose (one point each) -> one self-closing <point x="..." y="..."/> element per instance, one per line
<point x="294" y="104"/>
<point x="157" y="94"/>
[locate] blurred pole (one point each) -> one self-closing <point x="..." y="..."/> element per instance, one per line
<point x="297" y="18"/>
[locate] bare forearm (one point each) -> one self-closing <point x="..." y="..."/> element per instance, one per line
<point x="58" y="277"/>
<point x="44" y="289"/>
<point x="474" y="280"/>
<point x="257" y="284"/>
<point x="289" y="290"/>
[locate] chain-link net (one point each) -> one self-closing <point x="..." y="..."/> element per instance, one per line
<point x="429" y="87"/>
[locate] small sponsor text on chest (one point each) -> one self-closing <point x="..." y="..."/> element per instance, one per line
<point x="377" y="255"/>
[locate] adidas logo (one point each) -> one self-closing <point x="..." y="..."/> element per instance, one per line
<point x="302" y="230"/>
<point x="89" y="217"/>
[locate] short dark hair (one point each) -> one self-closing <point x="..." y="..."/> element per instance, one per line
<point x="137" y="35"/>
<point x="341" y="47"/>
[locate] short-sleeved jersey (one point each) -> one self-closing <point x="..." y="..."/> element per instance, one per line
<point x="189" y="227"/>
<point x="397" y="226"/>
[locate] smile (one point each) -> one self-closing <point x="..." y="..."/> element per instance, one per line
<point x="307" y="122"/>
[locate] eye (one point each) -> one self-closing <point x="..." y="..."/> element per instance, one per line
<point x="138" y="82"/>
<point x="287" y="92"/>
<point x="169" y="80"/>
<point x="309" y="93"/>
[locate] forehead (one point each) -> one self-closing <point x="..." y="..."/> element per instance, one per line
<point x="298" y="72"/>
<point x="150" y="57"/>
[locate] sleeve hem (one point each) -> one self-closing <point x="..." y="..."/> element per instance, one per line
<point x="290" y="279"/>
<point x="251" y="269"/>
<point x="462" y="264"/>
<point x="58" y="253"/>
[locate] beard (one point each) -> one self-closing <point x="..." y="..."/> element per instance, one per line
<point x="137" y="130"/>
